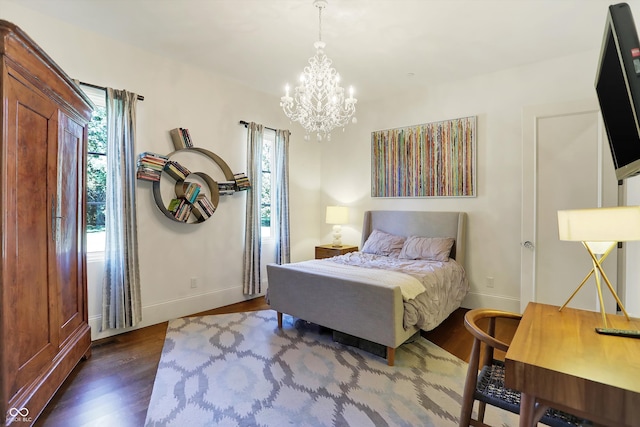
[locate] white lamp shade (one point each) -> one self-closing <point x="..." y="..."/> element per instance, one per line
<point x="337" y="215"/>
<point x="617" y="224"/>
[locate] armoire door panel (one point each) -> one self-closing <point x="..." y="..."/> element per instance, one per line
<point x="69" y="240"/>
<point x="34" y="313"/>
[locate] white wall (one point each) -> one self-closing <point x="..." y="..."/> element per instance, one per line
<point x="493" y="237"/>
<point x="179" y="95"/>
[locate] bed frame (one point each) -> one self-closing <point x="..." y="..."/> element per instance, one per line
<point x="371" y="312"/>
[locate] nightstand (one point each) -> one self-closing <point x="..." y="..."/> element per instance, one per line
<point x="327" y="251"/>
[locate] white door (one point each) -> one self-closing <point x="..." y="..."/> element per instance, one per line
<point x="566" y="165"/>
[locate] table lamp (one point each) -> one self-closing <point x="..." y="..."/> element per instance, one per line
<point x="599" y="230"/>
<point x="337" y="215"/>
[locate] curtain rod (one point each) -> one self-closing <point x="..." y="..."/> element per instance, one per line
<point x="245" y="124"/>
<point x="140" y="97"/>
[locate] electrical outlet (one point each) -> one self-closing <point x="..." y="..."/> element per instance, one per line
<point x="489" y="282"/>
<point x="194" y="282"/>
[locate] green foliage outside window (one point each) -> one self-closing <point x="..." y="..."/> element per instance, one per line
<point x="97" y="170"/>
<point x="265" y="185"/>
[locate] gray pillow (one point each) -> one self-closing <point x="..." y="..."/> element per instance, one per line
<point x="427" y="248"/>
<point x="381" y="243"/>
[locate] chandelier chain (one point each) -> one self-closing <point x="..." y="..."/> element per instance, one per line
<point x="320" y="7"/>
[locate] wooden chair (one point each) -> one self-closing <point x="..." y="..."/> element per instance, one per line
<point x="487" y="387"/>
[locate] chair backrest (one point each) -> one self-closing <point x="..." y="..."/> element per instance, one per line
<point x="471" y="321"/>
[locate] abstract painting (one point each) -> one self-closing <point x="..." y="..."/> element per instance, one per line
<point x="428" y="160"/>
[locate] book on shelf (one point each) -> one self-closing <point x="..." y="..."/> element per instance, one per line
<point x="152" y="158"/>
<point x="181" y="138"/>
<point x="176" y="170"/>
<point x="180" y="209"/>
<point x="184" y="212"/>
<point x="202" y="208"/>
<point x="148" y="174"/>
<point x="226" y="187"/>
<point x="204" y="205"/>
<point x="187" y="137"/>
<point x="189" y="191"/>
<point x="241" y="180"/>
<point x="173" y="205"/>
<point x="150" y="166"/>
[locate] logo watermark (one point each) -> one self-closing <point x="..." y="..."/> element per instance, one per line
<point x="20" y="415"/>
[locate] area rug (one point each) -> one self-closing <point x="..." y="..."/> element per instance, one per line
<point x="241" y="370"/>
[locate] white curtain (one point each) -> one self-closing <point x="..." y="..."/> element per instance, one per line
<point x="281" y="199"/>
<point x="121" y="305"/>
<point x="252" y="237"/>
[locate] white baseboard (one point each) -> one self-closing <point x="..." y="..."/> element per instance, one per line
<point x="167" y="310"/>
<point x="498" y="302"/>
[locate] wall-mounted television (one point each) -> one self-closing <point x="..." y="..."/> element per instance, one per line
<point x="618" y="89"/>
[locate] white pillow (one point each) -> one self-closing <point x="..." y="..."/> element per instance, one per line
<point x="381" y="243"/>
<point x="427" y="248"/>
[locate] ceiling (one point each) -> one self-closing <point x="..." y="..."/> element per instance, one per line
<point x="378" y="46"/>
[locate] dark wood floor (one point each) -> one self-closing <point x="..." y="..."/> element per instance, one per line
<point x="113" y="387"/>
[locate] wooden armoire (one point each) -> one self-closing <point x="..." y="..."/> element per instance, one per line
<point x="43" y="295"/>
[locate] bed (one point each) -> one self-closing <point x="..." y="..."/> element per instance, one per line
<point x="379" y="293"/>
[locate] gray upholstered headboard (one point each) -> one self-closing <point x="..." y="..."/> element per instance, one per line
<point x="419" y="223"/>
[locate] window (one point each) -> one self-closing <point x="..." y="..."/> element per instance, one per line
<point x="96" y="171"/>
<point x="266" y="198"/>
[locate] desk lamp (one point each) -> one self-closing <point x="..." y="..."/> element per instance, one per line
<point x="337" y="215"/>
<point x="599" y="230"/>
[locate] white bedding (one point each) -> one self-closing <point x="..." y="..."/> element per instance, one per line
<point x="436" y="291"/>
<point x="409" y="285"/>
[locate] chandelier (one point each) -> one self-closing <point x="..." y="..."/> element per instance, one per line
<point x="319" y="102"/>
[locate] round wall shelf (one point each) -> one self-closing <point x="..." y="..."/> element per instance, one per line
<point x="195" y="207"/>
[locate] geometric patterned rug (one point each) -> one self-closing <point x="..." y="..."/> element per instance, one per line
<point x="241" y="370"/>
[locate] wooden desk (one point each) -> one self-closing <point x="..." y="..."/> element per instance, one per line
<point x="557" y="359"/>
